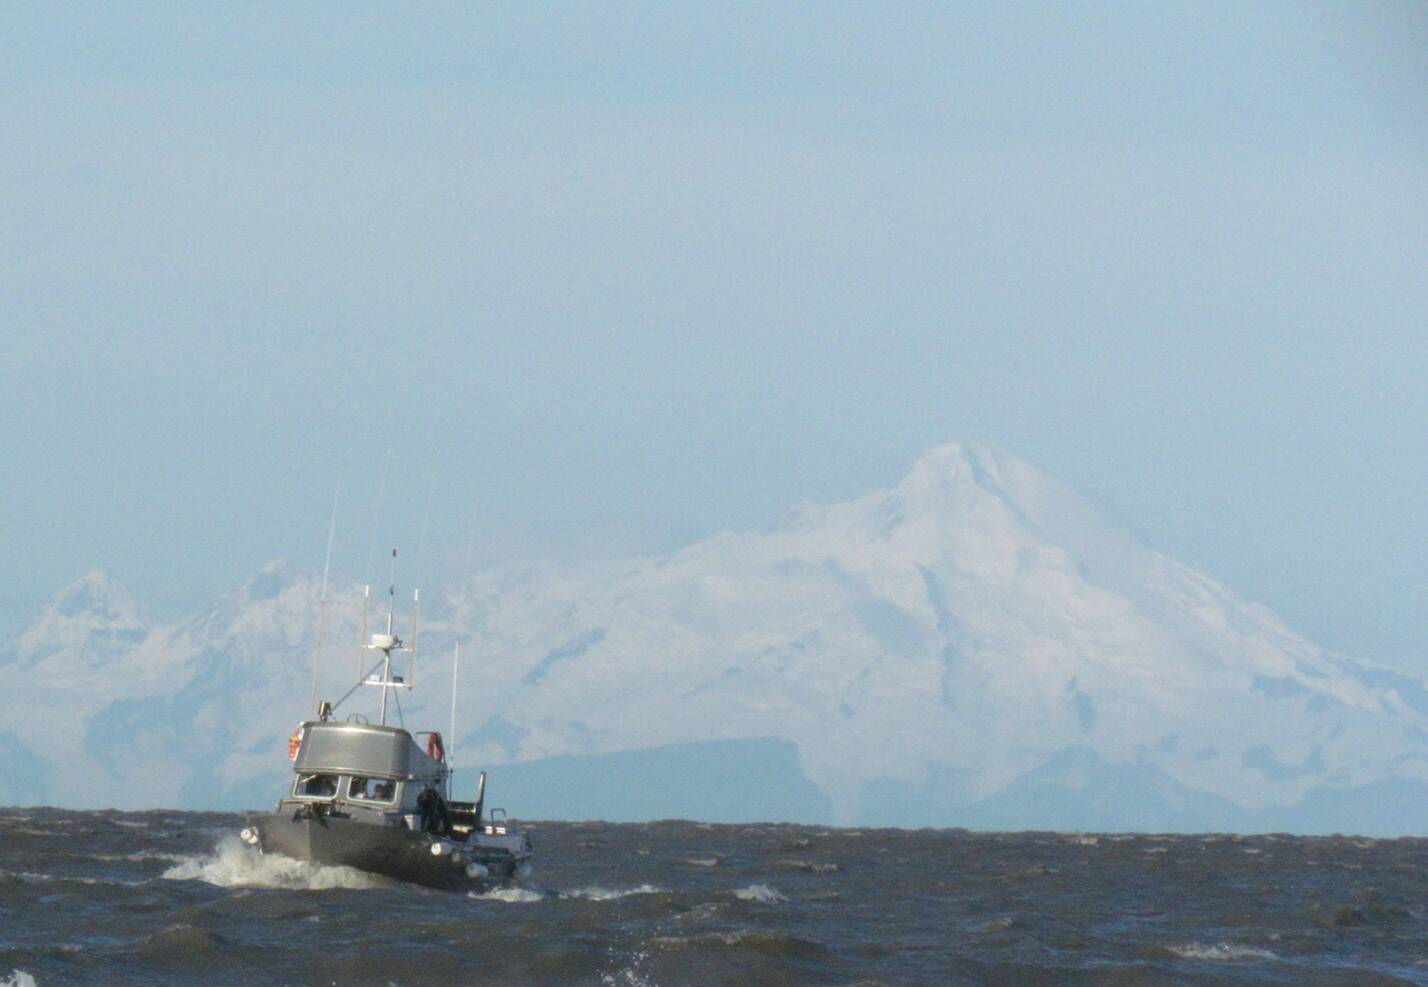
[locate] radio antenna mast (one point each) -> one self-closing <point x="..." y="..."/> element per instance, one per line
<point x="322" y="601"/>
<point x="451" y="734"/>
<point x="392" y="592"/>
<point x="389" y="642"/>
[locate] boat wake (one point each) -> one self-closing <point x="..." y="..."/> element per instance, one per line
<point x="232" y="865"/>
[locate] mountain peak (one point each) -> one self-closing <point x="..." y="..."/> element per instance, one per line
<point x="951" y="454"/>
<point x="98" y="594"/>
<point x="954" y="474"/>
<point x="274" y="577"/>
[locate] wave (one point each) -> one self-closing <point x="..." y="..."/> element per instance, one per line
<point x="35" y="877"/>
<point x="517" y="895"/>
<point x="509" y="895"/>
<point x="766" y="941"/>
<point x="233" y="865"/>
<point x="1220" y="951"/>
<point x="173" y="858"/>
<point x="181" y="938"/>
<point x="604" y="894"/>
<point x="629" y="976"/>
<point x="18" y="978"/>
<point x="808" y="866"/>
<point x="761" y="893"/>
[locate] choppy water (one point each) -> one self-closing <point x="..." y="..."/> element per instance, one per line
<point x="173" y="898"/>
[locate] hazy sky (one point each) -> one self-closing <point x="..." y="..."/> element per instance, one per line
<point x="597" y="278"/>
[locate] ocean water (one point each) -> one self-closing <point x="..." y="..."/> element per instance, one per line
<point x="174" y="898"/>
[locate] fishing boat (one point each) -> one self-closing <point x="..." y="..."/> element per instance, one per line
<point x="371" y="796"/>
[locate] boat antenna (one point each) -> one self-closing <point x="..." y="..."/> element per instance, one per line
<point x="451" y="736"/>
<point x="391" y="609"/>
<point x="362" y="641"/>
<point x="322" y="599"/>
<point x="392" y="592"/>
<point x="389" y="642"/>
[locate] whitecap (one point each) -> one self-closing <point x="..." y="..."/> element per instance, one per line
<point x="36" y="877"/>
<point x="629" y="976"/>
<point x="702" y="861"/>
<point x="604" y="894"/>
<point x="511" y="895"/>
<point x="1220" y="951"/>
<point x="18" y="978"/>
<point x="233" y="865"/>
<point x="809" y="867"/>
<point x="173" y="858"/>
<point x="760" y="892"/>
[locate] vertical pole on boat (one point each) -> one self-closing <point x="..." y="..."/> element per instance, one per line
<point x="416" y="616"/>
<point x="392" y="592"/>
<point x="386" y="681"/>
<point x="317" y="648"/>
<point x="322" y="605"/>
<point x="362" y="641"/>
<point x="387" y="651"/>
<point x="451" y="734"/>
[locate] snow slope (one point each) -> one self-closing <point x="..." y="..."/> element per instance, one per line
<point x="975" y="645"/>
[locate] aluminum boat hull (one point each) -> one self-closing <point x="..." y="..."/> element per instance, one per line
<point x="400" y="854"/>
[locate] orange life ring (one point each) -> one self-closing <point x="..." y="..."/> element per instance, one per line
<point x="434" y="749"/>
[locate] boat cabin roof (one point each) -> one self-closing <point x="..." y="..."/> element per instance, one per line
<point x="363" y="749"/>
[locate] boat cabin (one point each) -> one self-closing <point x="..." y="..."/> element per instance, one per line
<point x="372" y="771"/>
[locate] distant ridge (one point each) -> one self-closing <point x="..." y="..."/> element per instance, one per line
<point x="974" y="645"/>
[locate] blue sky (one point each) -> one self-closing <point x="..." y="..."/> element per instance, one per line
<point x="585" y="279"/>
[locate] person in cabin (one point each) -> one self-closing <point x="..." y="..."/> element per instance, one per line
<point x="371" y="789"/>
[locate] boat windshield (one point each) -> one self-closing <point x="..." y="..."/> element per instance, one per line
<point x="363" y="789"/>
<point x="315" y="786"/>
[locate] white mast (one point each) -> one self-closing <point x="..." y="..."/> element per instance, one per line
<point x="387" y="652"/>
<point x="389" y="642"/>
<point x="451" y="734"/>
<point x="322" y="605"/>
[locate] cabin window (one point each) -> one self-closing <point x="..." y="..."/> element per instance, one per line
<point x="315" y="786"/>
<point x="363" y="789"/>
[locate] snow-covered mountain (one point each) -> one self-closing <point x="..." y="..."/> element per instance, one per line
<point x="975" y="645"/>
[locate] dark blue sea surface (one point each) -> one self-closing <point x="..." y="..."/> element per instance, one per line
<point x="174" y="898"/>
